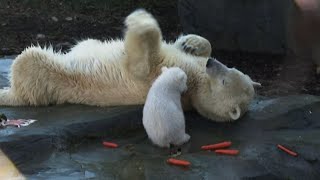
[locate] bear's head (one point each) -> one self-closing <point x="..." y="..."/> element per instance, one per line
<point x="178" y="77"/>
<point x="225" y="93"/>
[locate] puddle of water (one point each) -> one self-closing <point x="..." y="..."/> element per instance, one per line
<point x="8" y="57"/>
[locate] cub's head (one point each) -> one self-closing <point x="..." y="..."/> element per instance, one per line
<point x="176" y="77"/>
<point x="224" y="94"/>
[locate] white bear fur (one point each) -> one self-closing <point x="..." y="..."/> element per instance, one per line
<point x="163" y="117"/>
<point x="120" y="72"/>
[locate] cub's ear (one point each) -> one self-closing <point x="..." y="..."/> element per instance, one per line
<point x="164" y="68"/>
<point x="181" y="76"/>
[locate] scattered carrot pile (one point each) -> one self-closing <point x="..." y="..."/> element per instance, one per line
<point x="218" y="148"/>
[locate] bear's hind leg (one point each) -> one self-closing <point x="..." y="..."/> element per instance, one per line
<point x="142" y="43"/>
<point x="35" y="77"/>
<point x="8" y="99"/>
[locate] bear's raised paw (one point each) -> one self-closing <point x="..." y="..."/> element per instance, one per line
<point x="140" y="21"/>
<point x="195" y="45"/>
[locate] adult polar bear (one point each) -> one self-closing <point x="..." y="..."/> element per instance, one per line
<point x="121" y="73"/>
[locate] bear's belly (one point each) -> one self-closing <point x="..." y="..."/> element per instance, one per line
<point x="101" y="92"/>
<point x="119" y="96"/>
<point x="100" y="79"/>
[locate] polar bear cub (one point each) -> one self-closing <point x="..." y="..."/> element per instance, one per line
<point x="163" y="117"/>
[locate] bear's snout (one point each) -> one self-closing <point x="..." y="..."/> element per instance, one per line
<point x="210" y="63"/>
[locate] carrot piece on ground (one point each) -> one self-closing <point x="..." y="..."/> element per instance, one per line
<point x="178" y="162"/>
<point x="110" y="144"/>
<point x="227" y="151"/>
<point x="287" y="150"/>
<point x="224" y="144"/>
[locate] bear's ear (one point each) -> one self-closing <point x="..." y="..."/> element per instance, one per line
<point x="164" y="68"/>
<point x="256" y="84"/>
<point x="235" y="113"/>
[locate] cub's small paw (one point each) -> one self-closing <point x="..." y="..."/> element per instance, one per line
<point x="186" y="138"/>
<point x="194" y="44"/>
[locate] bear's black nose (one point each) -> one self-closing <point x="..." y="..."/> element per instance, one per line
<point x="209" y="63"/>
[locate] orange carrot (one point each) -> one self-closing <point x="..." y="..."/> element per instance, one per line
<point x="110" y="144"/>
<point x="224" y="144"/>
<point x="287" y="150"/>
<point x="178" y="162"/>
<point x="227" y="151"/>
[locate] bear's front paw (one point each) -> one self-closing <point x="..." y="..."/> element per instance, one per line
<point x="195" y="45"/>
<point x="141" y="21"/>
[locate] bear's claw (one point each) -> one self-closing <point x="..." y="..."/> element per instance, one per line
<point x="195" y="45"/>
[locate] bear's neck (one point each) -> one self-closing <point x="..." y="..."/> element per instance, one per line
<point x="193" y="66"/>
<point x="196" y="77"/>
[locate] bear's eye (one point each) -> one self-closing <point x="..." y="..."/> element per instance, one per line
<point x="223" y="82"/>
